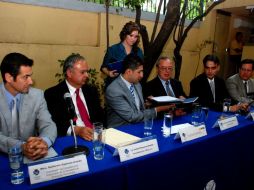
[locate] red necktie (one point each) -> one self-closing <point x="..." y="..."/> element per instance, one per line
<point x="82" y="111"/>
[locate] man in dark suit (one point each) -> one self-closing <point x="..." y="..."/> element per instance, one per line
<point x="209" y="88"/>
<point x="164" y="84"/>
<point x="75" y="70"/>
<point x="158" y="86"/>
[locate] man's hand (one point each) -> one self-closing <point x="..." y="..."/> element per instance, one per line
<point x="35" y="148"/>
<point x="84" y="132"/>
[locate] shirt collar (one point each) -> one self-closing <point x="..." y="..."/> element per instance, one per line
<point x="164" y="81"/>
<point x="10" y="97"/>
<point x="128" y="84"/>
<point x="71" y="88"/>
<point x="210" y="80"/>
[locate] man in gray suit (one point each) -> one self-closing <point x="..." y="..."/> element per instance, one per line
<point x="241" y="86"/>
<point x="24" y="117"/>
<point x="124" y="99"/>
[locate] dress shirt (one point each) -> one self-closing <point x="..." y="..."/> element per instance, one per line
<point x="72" y="91"/>
<point x="212" y="85"/>
<point x="169" y="86"/>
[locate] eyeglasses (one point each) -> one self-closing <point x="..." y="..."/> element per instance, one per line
<point x="166" y="68"/>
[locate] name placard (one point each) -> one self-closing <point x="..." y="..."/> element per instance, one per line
<point x="57" y="169"/>
<point x="250" y="115"/>
<point x="138" y="149"/>
<point x="228" y="123"/>
<point x="191" y="132"/>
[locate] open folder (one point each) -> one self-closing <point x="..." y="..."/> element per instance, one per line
<point x="170" y="99"/>
<point x="116" y="138"/>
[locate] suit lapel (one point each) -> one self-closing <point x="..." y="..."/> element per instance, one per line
<point x="140" y="95"/>
<point x="4" y="108"/>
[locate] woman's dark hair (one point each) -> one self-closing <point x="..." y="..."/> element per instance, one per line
<point x="127" y="29"/>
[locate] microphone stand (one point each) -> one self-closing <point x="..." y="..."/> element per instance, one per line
<point x="76" y="148"/>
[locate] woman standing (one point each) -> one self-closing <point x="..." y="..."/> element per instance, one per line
<point x="129" y="37"/>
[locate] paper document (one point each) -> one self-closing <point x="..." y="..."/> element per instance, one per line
<point x="166" y="99"/>
<point x="116" y="138"/>
<point x="51" y="153"/>
<point x="176" y="128"/>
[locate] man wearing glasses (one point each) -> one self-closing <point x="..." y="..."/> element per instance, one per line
<point x="164" y="84"/>
<point x="241" y="86"/>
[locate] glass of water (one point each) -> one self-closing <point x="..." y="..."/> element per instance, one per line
<point x="98" y="141"/>
<point x="167" y="124"/>
<point x="16" y="164"/>
<point x="196" y="115"/>
<point x="148" y="126"/>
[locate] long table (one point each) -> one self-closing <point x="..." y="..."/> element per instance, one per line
<point x="223" y="158"/>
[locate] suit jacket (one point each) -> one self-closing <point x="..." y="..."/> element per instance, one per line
<point x="34" y="119"/>
<point x="121" y="107"/>
<point x="236" y="88"/>
<point x="58" y="109"/>
<point x="156" y="88"/>
<point x="200" y="87"/>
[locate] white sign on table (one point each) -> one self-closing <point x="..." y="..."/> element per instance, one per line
<point x="226" y="123"/>
<point x="57" y="169"/>
<point x="138" y="149"/>
<point x="190" y="133"/>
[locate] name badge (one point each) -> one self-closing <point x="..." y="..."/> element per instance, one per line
<point x="190" y="133"/>
<point x="227" y="123"/>
<point x="57" y="169"/>
<point x="138" y="149"/>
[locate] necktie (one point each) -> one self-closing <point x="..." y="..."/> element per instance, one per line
<point x="132" y="90"/>
<point x="82" y="111"/>
<point x="245" y="87"/>
<point x="14" y="118"/>
<point x="212" y="89"/>
<point x="169" y="89"/>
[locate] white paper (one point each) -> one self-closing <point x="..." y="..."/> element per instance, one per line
<point x="51" y="153"/>
<point x="176" y="128"/>
<point x="116" y="138"/>
<point x="166" y="99"/>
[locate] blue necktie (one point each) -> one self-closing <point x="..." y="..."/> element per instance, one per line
<point x="169" y="89"/>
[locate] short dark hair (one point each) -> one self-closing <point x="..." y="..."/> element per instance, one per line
<point x="212" y="58"/>
<point x="11" y="64"/>
<point x="132" y="62"/>
<point x="70" y="61"/>
<point x="238" y="34"/>
<point x="247" y="61"/>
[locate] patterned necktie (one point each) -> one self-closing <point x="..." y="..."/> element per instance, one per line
<point x="82" y="111"/>
<point x="14" y="118"/>
<point x="212" y="89"/>
<point x="245" y="87"/>
<point x="169" y="89"/>
<point x="132" y="91"/>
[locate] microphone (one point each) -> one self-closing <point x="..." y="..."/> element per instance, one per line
<point x="73" y="118"/>
<point x="70" y="107"/>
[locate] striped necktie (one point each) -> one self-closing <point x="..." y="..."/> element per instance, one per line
<point x="169" y="89"/>
<point x="212" y="86"/>
<point x="132" y="90"/>
<point x="245" y="87"/>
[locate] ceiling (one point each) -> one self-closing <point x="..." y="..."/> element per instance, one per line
<point x="242" y="11"/>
